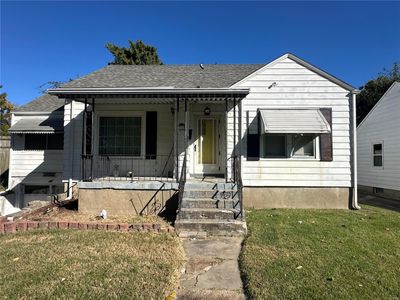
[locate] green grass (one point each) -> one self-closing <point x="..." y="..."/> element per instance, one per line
<point x="322" y="254"/>
<point x="72" y="264"/>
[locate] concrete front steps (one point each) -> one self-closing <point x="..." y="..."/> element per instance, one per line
<point x="210" y="209"/>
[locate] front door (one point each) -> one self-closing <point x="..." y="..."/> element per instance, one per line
<point x="207" y="146"/>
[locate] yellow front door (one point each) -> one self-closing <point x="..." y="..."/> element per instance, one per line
<point x="206" y="157"/>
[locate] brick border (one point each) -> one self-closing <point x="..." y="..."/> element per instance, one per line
<point x="19" y="226"/>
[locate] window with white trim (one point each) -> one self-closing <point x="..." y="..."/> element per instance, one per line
<point x="288" y="145"/>
<point x="377" y="153"/>
<point x="120" y="136"/>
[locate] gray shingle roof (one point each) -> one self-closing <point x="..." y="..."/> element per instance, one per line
<point x="45" y="103"/>
<point x="178" y="76"/>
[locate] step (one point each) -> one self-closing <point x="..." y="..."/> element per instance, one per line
<point x="209" y="203"/>
<point x="211" y="194"/>
<point x="208" y="213"/>
<point x="213" y="227"/>
<point x="209" y="186"/>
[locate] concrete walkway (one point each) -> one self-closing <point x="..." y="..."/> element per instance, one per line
<point x="212" y="269"/>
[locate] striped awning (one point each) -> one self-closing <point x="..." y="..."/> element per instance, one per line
<point x="293" y="121"/>
<point x="38" y="125"/>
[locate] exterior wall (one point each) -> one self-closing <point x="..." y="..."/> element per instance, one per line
<point x="27" y="166"/>
<point x="126" y="202"/>
<point x="73" y="112"/>
<point x="297" y="87"/>
<point x="293" y="197"/>
<point x="381" y="126"/>
<point x="384" y="193"/>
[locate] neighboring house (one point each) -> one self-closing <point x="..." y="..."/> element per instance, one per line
<point x="378" y="142"/>
<point x="36" y="155"/>
<point x="276" y="135"/>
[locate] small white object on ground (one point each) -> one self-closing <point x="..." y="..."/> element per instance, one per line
<point x="103" y="214"/>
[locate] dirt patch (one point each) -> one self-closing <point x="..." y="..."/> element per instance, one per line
<point x="68" y="211"/>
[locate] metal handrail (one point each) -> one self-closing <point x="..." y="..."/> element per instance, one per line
<point x="127" y="168"/>
<point x="239" y="183"/>
<point x="182" y="181"/>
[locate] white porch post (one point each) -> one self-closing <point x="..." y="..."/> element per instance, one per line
<point x="176" y="153"/>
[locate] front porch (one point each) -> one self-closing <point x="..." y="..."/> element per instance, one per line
<point x="140" y="154"/>
<point x="162" y="140"/>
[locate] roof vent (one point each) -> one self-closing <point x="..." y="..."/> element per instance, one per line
<point x="202" y="66"/>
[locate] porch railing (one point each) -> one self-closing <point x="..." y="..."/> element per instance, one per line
<point x="238" y="180"/>
<point x="128" y="168"/>
<point x="182" y="181"/>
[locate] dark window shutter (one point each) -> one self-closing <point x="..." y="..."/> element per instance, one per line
<point x="253" y="143"/>
<point x="326" y="151"/>
<point x="151" y="134"/>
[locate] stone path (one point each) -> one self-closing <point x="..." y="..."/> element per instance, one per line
<point x="212" y="269"/>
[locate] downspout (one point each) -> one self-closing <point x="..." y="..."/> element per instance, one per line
<point x="354" y="203"/>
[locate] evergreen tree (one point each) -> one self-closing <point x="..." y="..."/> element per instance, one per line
<point x="137" y="53"/>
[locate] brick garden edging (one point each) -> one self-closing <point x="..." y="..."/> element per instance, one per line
<point x="18" y="226"/>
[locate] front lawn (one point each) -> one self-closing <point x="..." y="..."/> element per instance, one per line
<point x="73" y="264"/>
<point x="322" y="254"/>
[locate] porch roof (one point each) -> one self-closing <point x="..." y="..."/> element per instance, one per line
<point x="154" y="92"/>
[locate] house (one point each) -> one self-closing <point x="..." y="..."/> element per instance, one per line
<point x="378" y="144"/>
<point x="267" y="135"/>
<point x="36" y="155"/>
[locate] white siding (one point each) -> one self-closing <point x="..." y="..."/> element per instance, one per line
<point x="28" y="166"/>
<point x="382" y="125"/>
<point x="73" y="112"/>
<point x="297" y="87"/>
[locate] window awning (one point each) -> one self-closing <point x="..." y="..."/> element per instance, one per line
<point x="293" y="121"/>
<point x="38" y="125"/>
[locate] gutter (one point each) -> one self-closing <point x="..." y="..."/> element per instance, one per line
<point x="354" y="202"/>
<point x="146" y="91"/>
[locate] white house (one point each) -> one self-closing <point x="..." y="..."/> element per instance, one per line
<point x="269" y="135"/>
<point x="36" y="153"/>
<point x="378" y="146"/>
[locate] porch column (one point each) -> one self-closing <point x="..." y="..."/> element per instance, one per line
<point x="186" y="134"/>
<point x="226" y="139"/>
<point x="234" y="139"/>
<point x="92" y="140"/>
<point x="83" y="155"/>
<point x="176" y="152"/>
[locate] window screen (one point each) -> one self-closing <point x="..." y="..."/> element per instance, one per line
<point x="120" y="136"/>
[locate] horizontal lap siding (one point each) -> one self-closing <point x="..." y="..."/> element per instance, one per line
<point x="298" y="87"/>
<point x="73" y="112"/>
<point x="382" y="125"/>
<point x="28" y="164"/>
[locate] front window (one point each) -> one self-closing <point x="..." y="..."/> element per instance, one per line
<point x="288" y="146"/>
<point x="378" y="155"/>
<point x="274" y="145"/>
<point x="303" y="145"/>
<point x="120" y="136"/>
<point x="44" y="141"/>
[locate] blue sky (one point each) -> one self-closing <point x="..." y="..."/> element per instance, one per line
<point x="55" y="41"/>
